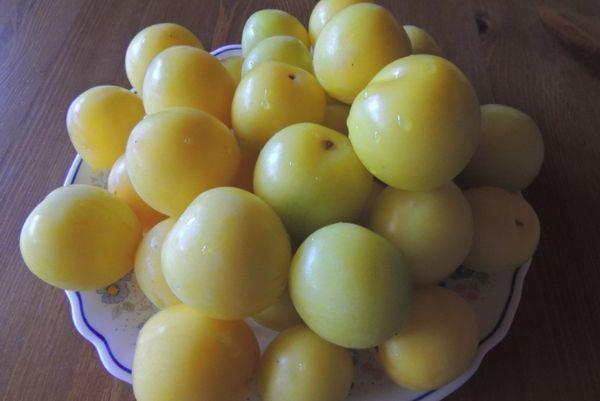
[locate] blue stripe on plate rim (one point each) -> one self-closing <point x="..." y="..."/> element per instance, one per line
<point x="119" y="370"/>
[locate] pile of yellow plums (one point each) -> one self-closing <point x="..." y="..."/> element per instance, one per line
<point x="307" y="184"/>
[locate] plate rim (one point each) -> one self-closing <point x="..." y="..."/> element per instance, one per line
<point x="120" y="371"/>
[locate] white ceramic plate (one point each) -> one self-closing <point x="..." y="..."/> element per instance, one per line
<point x="112" y="317"/>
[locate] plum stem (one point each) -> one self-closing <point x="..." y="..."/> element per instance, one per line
<point x="327" y="144"/>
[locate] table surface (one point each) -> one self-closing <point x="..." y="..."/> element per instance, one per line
<point x="50" y="51"/>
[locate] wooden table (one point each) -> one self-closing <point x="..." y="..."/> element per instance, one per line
<point x="50" y="51"/>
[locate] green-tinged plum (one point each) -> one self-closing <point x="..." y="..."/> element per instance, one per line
<point x="350" y="285"/>
<point x="433" y="229"/>
<point x="311" y="177"/>
<point x="280" y="315"/>
<point x="376" y="188"/>
<point x="266" y="23"/>
<point x="511" y="150"/>
<point x="285" y="49"/>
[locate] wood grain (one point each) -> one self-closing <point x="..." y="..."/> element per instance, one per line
<point x="577" y="32"/>
<point x="52" y="51"/>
